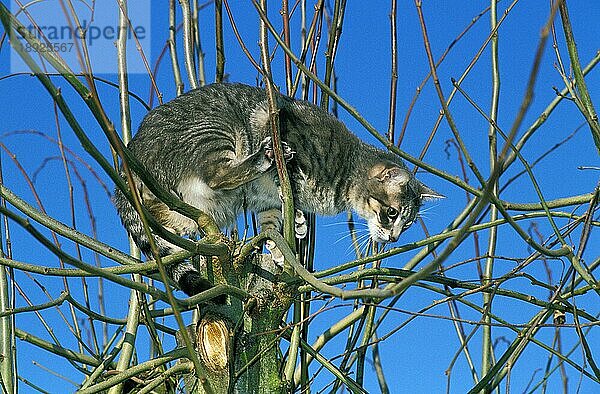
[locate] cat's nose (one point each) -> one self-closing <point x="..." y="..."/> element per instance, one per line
<point x="393" y="238"/>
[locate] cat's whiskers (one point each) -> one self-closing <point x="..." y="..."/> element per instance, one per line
<point x="349" y="234"/>
<point x="426" y="217"/>
<point x="360" y="241"/>
<point x="355" y="224"/>
<point x="359" y="236"/>
<point x="426" y="210"/>
<point x="364" y="246"/>
<point x="426" y="213"/>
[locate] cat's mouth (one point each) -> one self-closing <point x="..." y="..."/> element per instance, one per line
<point x="382" y="235"/>
<point x="384" y="239"/>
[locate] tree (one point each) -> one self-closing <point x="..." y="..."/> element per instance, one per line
<point x="505" y="268"/>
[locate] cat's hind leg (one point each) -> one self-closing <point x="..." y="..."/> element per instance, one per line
<point x="271" y="219"/>
<point x="187" y="277"/>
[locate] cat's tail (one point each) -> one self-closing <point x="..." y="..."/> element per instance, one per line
<point x="189" y="280"/>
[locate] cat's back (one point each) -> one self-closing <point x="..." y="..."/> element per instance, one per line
<point x="220" y="103"/>
<point x="191" y="124"/>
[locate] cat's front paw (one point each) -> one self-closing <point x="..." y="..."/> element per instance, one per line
<point x="300" y="225"/>
<point x="267" y="147"/>
<point x="288" y="153"/>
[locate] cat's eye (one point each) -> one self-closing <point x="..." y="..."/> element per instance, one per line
<point x="392" y="213"/>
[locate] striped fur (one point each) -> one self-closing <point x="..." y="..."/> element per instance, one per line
<point x="209" y="147"/>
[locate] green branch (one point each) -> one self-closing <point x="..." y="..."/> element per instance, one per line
<point x="589" y="112"/>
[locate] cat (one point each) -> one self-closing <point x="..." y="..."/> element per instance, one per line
<point x="212" y="148"/>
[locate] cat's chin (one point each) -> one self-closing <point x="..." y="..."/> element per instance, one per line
<point x="380" y="238"/>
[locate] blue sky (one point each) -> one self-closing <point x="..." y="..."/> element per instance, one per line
<point x="416" y="357"/>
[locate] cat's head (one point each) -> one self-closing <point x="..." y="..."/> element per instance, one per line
<point x="390" y="200"/>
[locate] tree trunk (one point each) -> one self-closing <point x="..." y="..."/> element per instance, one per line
<point x="238" y="345"/>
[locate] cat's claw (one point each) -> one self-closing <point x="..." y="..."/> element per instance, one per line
<point x="267" y="146"/>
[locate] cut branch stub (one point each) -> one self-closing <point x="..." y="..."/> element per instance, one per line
<point x="212" y="342"/>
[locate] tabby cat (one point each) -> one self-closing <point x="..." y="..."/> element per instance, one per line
<point x="211" y="147"/>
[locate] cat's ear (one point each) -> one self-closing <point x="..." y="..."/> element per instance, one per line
<point x="427" y="194"/>
<point x="389" y="172"/>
